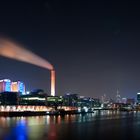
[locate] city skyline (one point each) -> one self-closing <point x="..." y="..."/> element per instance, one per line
<point x="94" y="46"/>
<point x="12" y="86"/>
<point x="69" y="69"/>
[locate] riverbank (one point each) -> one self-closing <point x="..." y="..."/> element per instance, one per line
<point x="40" y="113"/>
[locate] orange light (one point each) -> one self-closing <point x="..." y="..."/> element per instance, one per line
<point x="52" y="83"/>
<point x="14" y="87"/>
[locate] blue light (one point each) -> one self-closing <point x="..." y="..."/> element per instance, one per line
<point x="19" y="132"/>
<point x="21" y="87"/>
<point x="8" y="86"/>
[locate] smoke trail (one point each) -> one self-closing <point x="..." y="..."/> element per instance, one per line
<point x="12" y="50"/>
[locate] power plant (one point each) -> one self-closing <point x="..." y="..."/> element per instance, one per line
<point x="14" y="51"/>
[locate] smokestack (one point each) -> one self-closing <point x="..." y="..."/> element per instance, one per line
<point x="53" y="82"/>
<point x="12" y="50"/>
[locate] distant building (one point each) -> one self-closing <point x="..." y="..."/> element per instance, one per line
<point x="88" y="102"/>
<point x="54" y="101"/>
<point x="18" y="87"/>
<point x="5" y="85"/>
<point x="124" y="100"/>
<point x="96" y="102"/>
<point x="84" y="101"/>
<point x="70" y="99"/>
<point x="38" y="91"/>
<point x="138" y="98"/>
<point x="118" y="97"/>
<point x="131" y="101"/>
<point x="104" y="99"/>
<point x="14" y="87"/>
<point x="33" y="99"/>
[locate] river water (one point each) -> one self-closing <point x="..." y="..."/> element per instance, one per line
<point x="100" y="125"/>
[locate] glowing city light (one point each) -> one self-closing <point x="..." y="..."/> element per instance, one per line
<point x="52" y="83"/>
<point x="15" y="51"/>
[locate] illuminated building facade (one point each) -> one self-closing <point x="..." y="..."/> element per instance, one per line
<point x="14" y="87"/>
<point x="54" y="101"/>
<point x="5" y="85"/>
<point x="18" y="87"/>
<point x="138" y="98"/>
<point x="33" y="99"/>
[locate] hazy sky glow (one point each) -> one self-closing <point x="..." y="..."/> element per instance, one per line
<point x="93" y="45"/>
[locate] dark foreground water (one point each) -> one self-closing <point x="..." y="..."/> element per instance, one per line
<point x="99" y="125"/>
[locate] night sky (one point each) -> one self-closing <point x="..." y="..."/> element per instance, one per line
<point x="93" y="45"/>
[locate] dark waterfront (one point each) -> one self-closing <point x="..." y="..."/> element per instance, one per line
<point x="99" y="125"/>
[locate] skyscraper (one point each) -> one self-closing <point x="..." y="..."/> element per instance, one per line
<point x="118" y="97"/>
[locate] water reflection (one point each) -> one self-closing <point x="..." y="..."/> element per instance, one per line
<point x="19" y="132"/>
<point x="70" y="126"/>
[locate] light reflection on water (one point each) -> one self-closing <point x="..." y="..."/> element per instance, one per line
<point x="59" y="127"/>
